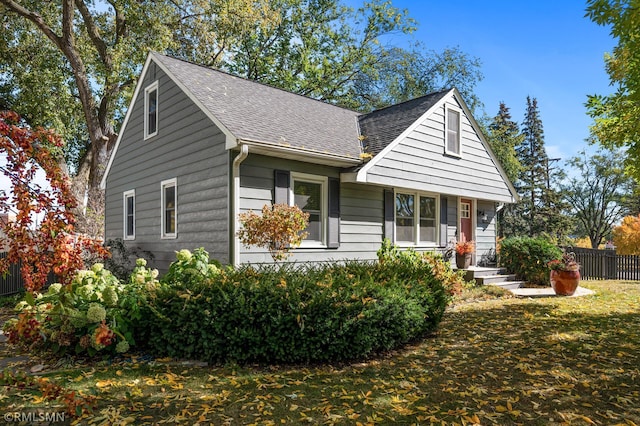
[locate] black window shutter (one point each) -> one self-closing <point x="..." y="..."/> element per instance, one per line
<point x="443" y="221"/>
<point x="333" y="224"/>
<point x="389" y="214"/>
<point x="281" y="187"/>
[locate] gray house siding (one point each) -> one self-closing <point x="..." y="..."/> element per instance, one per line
<point x="360" y="211"/>
<point x="191" y="149"/>
<point x="418" y="161"/>
<point x="486" y="230"/>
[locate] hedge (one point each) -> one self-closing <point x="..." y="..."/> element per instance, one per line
<point x="289" y="314"/>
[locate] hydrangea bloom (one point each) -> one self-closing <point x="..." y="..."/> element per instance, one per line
<point x="55" y="288"/>
<point x="97" y="267"/>
<point x="122" y="346"/>
<point x="85" y="291"/>
<point x="141" y="262"/>
<point x="109" y="296"/>
<point x="184" y="255"/>
<point x="96" y="313"/>
<point x="77" y="318"/>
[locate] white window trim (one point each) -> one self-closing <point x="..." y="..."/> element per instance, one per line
<point x="150" y="88"/>
<point x="166" y="184"/>
<point x="446" y="132"/>
<point x="324" y="206"/>
<point x="125" y="195"/>
<point x="416" y="220"/>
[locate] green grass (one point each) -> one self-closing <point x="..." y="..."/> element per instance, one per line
<point x="508" y="361"/>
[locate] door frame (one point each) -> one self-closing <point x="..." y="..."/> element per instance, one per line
<point x="472" y="212"/>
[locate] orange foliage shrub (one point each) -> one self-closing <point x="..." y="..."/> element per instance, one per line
<point x="279" y="229"/>
<point x="626" y="236"/>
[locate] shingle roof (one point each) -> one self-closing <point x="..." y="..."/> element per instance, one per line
<point x="261" y="113"/>
<point x="381" y="127"/>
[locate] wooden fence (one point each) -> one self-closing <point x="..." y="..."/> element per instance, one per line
<point x="606" y="264"/>
<point x="11" y="282"/>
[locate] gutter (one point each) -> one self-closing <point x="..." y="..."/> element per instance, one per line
<point x="345" y="160"/>
<point x="235" y="223"/>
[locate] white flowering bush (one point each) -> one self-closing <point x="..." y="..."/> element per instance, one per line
<point x="94" y="313"/>
<point x="191" y="268"/>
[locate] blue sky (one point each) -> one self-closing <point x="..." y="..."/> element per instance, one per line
<point x="543" y="49"/>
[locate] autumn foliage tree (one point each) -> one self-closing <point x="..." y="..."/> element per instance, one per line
<point x="41" y="238"/>
<point x="279" y="229"/>
<point x="626" y="236"/>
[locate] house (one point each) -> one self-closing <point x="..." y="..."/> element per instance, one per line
<point x="198" y="146"/>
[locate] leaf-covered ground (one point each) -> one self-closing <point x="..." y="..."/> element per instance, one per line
<point x="511" y="361"/>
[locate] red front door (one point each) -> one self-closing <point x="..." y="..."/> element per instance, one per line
<point x="466" y="226"/>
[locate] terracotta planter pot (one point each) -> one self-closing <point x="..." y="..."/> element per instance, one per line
<point x="463" y="261"/>
<point x="565" y="283"/>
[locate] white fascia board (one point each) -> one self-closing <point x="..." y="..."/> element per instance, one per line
<point x="515" y="197"/>
<point x="103" y="182"/>
<point x="230" y="140"/>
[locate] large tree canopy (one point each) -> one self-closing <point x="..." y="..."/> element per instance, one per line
<point x="617" y="116"/>
<point x="71" y="65"/>
<point x="597" y="193"/>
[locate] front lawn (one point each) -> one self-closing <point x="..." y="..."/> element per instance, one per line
<point x="508" y="361"/>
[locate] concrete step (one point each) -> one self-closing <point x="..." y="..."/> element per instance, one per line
<point x="509" y="285"/>
<point x="476" y="271"/>
<point x="493" y="279"/>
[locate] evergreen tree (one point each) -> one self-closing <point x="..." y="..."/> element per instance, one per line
<point x="541" y="207"/>
<point x="503" y="137"/>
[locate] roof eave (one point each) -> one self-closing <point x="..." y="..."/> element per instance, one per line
<point x="301" y="154"/>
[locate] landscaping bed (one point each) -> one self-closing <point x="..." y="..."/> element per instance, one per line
<point x="549" y="361"/>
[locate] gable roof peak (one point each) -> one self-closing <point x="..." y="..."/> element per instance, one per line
<point x="381" y="127"/>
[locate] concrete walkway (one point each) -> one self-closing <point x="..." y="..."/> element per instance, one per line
<point x="548" y="292"/>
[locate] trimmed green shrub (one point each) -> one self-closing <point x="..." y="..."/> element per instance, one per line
<point x="287" y="314"/>
<point x="528" y="257"/>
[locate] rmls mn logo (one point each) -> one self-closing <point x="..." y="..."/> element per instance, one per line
<point x="33" y="417"/>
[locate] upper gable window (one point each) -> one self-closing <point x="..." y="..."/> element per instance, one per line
<point x="452" y="132"/>
<point x="151" y="110"/>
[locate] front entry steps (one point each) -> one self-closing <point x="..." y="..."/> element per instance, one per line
<point x="493" y="276"/>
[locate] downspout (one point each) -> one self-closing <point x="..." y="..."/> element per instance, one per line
<point x="235" y="223"/>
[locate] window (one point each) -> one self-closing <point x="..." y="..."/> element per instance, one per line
<point x="452" y="132"/>
<point x="169" y="208"/>
<point x="129" y="202"/>
<point x="310" y="194"/>
<point x="151" y="110"/>
<point x="465" y="210"/>
<point x="416" y="218"/>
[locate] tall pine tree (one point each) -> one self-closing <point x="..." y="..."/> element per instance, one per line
<point x="503" y="137"/>
<point x="540" y="207"/>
